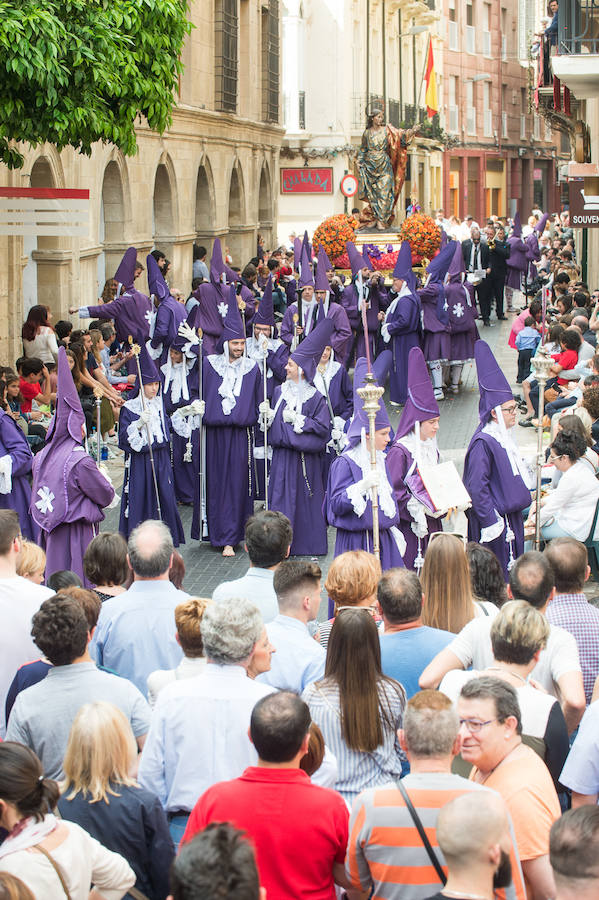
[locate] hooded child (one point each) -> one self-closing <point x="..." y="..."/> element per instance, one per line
<point x="364" y="291"/>
<point x="143" y="423"/>
<point x="69" y="492"/>
<point x="352" y="481"/>
<point x="495" y="474"/>
<point x="415" y="444"/>
<point x="436" y="342"/>
<point x="169" y="315"/>
<point x="402" y="327"/>
<point x="298" y="435"/>
<point x="461" y="312"/>
<point x="180" y="392"/>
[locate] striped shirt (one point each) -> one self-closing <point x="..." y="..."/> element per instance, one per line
<point x="385" y="852"/>
<point x="358" y="770"/>
<point x="575" y="614"/>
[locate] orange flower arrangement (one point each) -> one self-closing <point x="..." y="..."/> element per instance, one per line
<point x="334" y="233"/>
<point x="422" y="233"/>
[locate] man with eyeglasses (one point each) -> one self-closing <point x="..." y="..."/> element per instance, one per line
<point x="495" y="475"/>
<point x="491" y="734"/>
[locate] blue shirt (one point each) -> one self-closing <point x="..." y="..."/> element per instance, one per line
<point x="255" y="586"/>
<point x="528" y="338"/>
<point x="406" y="654"/>
<point x="136" y="631"/>
<point x="299" y="659"/>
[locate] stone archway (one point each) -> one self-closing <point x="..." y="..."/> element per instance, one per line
<point x="204" y="207"/>
<point x="265" y="212"/>
<point x="235" y="239"/>
<point x="112" y="223"/>
<point x="163" y="212"/>
<point x="41" y="275"/>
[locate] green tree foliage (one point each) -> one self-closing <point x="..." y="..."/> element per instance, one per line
<point x="73" y="72"/>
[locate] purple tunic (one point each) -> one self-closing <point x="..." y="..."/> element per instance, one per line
<point x="131" y="313"/>
<point x="296" y="485"/>
<point x="355" y="532"/>
<point x="88" y="492"/>
<point x="517" y="262"/>
<point x="399" y="463"/>
<point x="341" y="397"/>
<point x="230" y="473"/>
<point x="403" y="325"/>
<point x="276" y="374"/>
<point x="462" y="319"/>
<point x="169" y="316"/>
<point x="14" y="443"/>
<point x="138" y="502"/>
<point x="341" y="329"/>
<point x="493" y="487"/>
<point x="377" y="300"/>
<point x="184" y="473"/>
<point x="436" y="343"/>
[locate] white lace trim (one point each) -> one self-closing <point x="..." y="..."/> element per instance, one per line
<point x="391" y="309"/>
<point x="491" y="532"/>
<point x="499" y="433"/>
<point x="232" y="374"/>
<point x="153" y="352"/>
<point x="138" y="439"/>
<point x="322" y="378"/>
<point x="6" y="474"/>
<point x="360" y="454"/>
<point x="254" y="352"/>
<point x="424" y="452"/>
<point x="176" y="374"/>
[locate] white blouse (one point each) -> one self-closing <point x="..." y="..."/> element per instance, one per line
<point x="572" y="503"/>
<point x="43" y="346"/>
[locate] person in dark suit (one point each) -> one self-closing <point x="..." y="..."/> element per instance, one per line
<point x="499" y="252"/>
<point x="477" y="259"/>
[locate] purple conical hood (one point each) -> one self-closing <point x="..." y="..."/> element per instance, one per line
<point x="217" y="264"/>
<point x="439" y="266"/>
<point x="297" y="253"/>
<point x="308" y="353"/>
<point x="456" y="266"/>
<point x="540" y="226"/>
<point x="156" y="283"/>
<point x="306" y="278"/>
<point x="382" y="366"/>
<point x="356" y="260"/>
<point x="265" y="314"/>
<point x="492" y="383"/>
<point x="517" y="229"/>
<point x="403" y="266"/>
<point x="326" y="261"/>
<point x="125" y="274"/>
<point x="421" y="404"/>
<point x="149" y="372"/>
<point x="322" y="282"/>
<point x="306" y="245"/>
<point x="233" y="329"/>
<point x="360" y="418"/>
<point x="68" y="416"/>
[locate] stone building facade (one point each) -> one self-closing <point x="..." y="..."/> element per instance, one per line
<point x="214" y="173"/>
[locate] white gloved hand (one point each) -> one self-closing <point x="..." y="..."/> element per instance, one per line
<point x="187" y="332"/>
<point x="263" y="343"/>
<point x="197" y="407"/>
<point x="289" y="415"/>
<point x="372" y="479"/>
<point x="265" y="407"/>
<point x="419" y="526"/>
<point x="144" y="418"/>
<point x="336" y="434"/>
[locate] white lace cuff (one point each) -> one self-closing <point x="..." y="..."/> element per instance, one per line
<point x="492" y="532"/>
<point x="182" y="425"/>
<point x="357" y="498"/>
<point x="137" y="439"/>
<point x="298" y="425"/>
<point x="6" y="474"/>
<point x="153" y="351"/>
<point x="399" y="539"/>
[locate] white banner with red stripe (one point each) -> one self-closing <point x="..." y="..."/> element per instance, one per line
<point x="45" y="212"/>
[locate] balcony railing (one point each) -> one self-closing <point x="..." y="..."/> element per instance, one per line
<point x="394" y="113"/>
<point x="302" y="109"/>
<point x="578" y="26"/>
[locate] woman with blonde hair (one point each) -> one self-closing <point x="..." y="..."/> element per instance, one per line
<point x="188" y="619"/>
<point x="12" y="888"/>
<point x="351" y="581"/>
<point x="448" y="601"/>
<point x="101" y="795"/>
<point x="518" y="634"/>
<point x="31" y="562"/>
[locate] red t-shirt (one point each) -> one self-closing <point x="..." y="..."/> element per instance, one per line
<point x="298" y="829"/>
<point x="30" y="392"/>
<point x="567" y="359"/>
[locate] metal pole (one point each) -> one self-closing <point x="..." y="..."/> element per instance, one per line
<point x="367" y="53"/>
<point x="384" y="60"/>
<point x="98" y="396"/>
<point x="264" y="378"/>
<point x="135" y="348"/>
<point x="400" y="57"/>
<point x="541" y="364"/>
<point x="370" y="395"/>
<point x="201" y="444"/>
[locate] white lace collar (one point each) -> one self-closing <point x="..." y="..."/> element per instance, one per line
<point x="360" y="454"/>
<point x="424" y="452"/>
<point x="155" y="424"/>
<point x="232" y="374"/>
<point x="322" y="378"/>
<point x="295" y="393"/>
<point x="254" y="351"/>
<point x="503" y="436"/>
<point x="175" y="377"/>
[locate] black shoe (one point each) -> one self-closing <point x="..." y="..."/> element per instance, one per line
<point x="487" y="324"/>
<point x="502" y="318"/>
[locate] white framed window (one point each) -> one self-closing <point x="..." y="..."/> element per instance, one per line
<point x="504" y="124"/>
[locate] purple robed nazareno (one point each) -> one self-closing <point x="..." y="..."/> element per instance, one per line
<point x="335" y="312"/>
<point x="185" y="474"/>
<point x="377" y="302"/>
<point x="229" y="455"/>
<point x="339" y="388"/>
<point x="488" y="475"/>
<point x="69" y="492"/>
<point x="170" y="313"/>
<point x="399" y="463"/>
<point x="14" y="444"/>
<point x="131" y="313"/>
<point x="355" y="532"/>
<point x="461" y="310"/>
<point x="517" y="261"/>
<point x="403" y="324"/>
<point x="436" y="342"/>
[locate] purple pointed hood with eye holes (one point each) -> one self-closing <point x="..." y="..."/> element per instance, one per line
<point x="420" y="404"/>
<point x="125" y="274"/>
<point x="308" y="353"/>
<point x="492" y="383"/>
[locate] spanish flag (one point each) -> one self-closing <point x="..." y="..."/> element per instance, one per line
<point x="432" y="105"/>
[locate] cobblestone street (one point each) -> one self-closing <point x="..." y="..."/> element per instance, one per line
<point x="206" y="568"/>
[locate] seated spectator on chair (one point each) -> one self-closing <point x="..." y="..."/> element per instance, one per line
<point x="569" y="509"/>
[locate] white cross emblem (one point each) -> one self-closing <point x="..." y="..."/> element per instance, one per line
<point x="44" y="504"/>
<point x="223" y="308"/>
<point x="458" y="310"/>
<point x="148" y="316"/>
